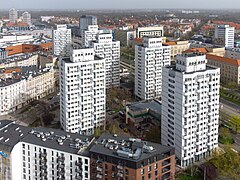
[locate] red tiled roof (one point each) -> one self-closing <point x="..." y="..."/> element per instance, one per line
<point x="22" y="24"/>
<point x="235" y="62"/>
<point x="171" y="43"/>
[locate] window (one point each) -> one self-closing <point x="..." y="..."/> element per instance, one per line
<point x="149" y="168"/>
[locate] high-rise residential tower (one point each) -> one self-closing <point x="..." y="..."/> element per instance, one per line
<point x="27" y="18"/>
<point x="150" y="58"/>
<point x="226" y="34"/>
<point x="190" y="107"/>
<point x="108" y="49"/>
<point x="62" y="41"/>
<point x="85" y="21"/>
<point x="104" y="46"/>
<point x="82" y="92"/>
<point x="13" y="15"/>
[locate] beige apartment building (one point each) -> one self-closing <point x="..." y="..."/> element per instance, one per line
<point x="230" y="68"/>
<point x="24" y="86"/>
<point x="177" y="47"/>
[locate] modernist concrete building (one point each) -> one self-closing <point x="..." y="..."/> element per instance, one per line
<point x="27" y="18"/>
<point x="150" y="58"/>
<point x="62" y="41"/>
<point x="190" y="107"/>
<point x="108" y="49"/>
<point x="82" y="92"/>
<point x="13" y="15"/>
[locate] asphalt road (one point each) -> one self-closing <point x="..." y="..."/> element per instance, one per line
<point x="229" y="107"/>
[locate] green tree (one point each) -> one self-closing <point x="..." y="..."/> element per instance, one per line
<point x="231" y="85"/>
<point x="97" y="132"/>
<point x="112" y="129"/>
<point x="227" y="163"/>
<point x="225" y="136"/>
<point x="235" y="121"/>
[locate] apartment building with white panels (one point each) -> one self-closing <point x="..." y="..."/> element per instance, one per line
<point x="108" y="49"/>
<point x="190" y="107"/>
<point x="150" y="58"/>
<point x="82" y="92"/>
<point x="90" y="35"/>
<point x="62" y="40"/>
<point x="42" y="153"/>
<point x="226" y="33"/>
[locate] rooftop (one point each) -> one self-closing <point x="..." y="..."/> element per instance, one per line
<point x="16" y="74"/>
<point x="153" y="105"/>
<point x="11" y="134"/>
<point x="127" y="148"/>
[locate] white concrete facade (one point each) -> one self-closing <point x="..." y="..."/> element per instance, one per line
<point x="41" y="153"/>
<point x="27" y="18"/>
<point x="190" y="108"/>
<point x="226" y="33"/>
<point x="149" y="60"/>
<point x="90" y="35"/>
<point x="62" y="40"/>
<point x="108" y="49"/>
<point x="13" y="15"/>
<point x="83" y="92"/>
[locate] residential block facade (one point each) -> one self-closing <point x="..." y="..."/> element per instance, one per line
<point x="82" y="92"/>
<point x="150" y="58"/>
<point x="190" y="108"/>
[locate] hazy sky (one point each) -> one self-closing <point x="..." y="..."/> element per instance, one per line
<point x="118" y="4"/>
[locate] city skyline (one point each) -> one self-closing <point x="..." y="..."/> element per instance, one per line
<point x="124" y="4"/>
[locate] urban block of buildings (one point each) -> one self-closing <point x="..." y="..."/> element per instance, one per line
<point x="42" y="153"/>
<point x="21" y="85"/>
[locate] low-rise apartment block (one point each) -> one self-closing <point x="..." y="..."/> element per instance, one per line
<point x="177" y="47"/>
<point x="115" y="157"/>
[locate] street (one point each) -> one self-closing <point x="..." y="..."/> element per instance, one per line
<point x="229" y="107"/>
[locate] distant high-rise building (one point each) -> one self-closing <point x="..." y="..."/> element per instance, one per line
<point x="27" y="18"/>
<point x="226" y="34"/>
<point x="13" y="15"/>
<point x="190" y="107"/>
<point x="85" y="21"/>
<point x="62" y="40"/>
<point x="82" y="92"/>
<point x="150" y="57"/>
<point x="105" y="47"/>
<point x="108" y="49"/>
<point x="90" y="35"/>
